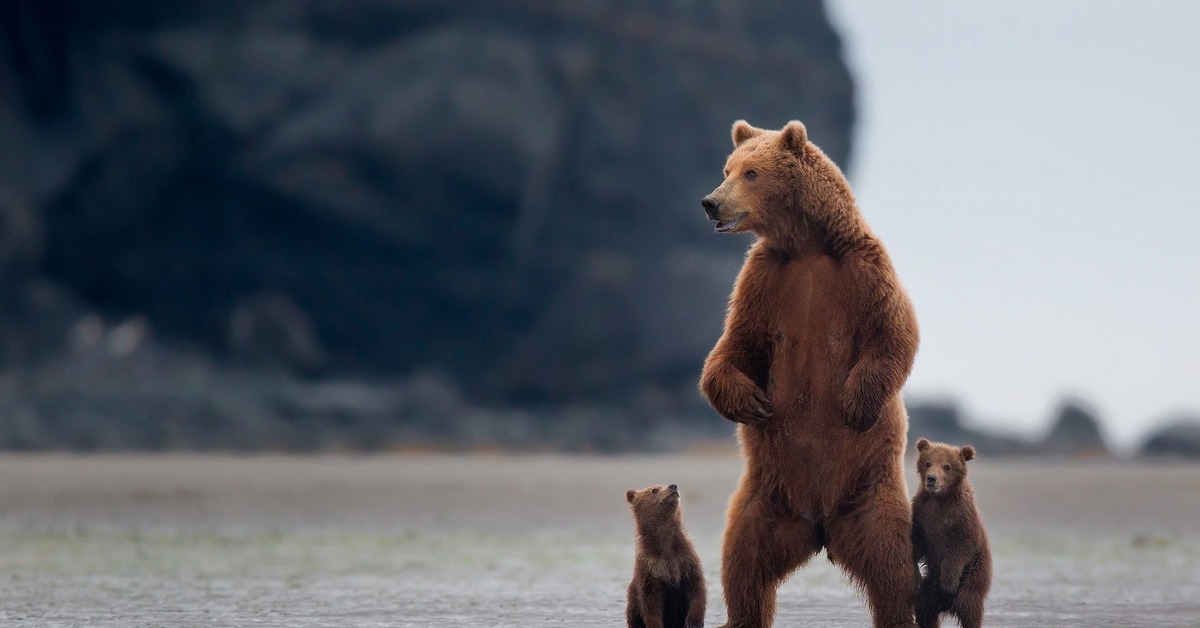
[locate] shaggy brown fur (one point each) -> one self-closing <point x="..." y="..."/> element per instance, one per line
<point x="667" y="590"/>
<point x="948" y="537"/>
<point x="819" y="338"/>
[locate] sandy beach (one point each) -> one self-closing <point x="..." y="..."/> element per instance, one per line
<point x="435" y="540"/>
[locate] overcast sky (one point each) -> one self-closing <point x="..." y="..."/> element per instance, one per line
<point x="1033" y="168"/>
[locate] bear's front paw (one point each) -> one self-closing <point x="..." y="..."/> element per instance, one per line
<point x="861" y="414"/>
<point x="737" y="398"/>
<point x="861" y="420"/>
<point x="753" y="409"/>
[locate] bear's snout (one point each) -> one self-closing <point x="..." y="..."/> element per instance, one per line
<point x="711" y="206"/>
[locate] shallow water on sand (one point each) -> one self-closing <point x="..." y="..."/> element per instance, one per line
<point x="533" y="541"/>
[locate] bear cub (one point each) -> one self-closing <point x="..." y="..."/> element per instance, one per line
<point x="667" y="590"/>
<point x="948" y="537"/>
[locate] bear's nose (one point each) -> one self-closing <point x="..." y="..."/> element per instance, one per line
<point x="673" y="487"/>
<point x="931" y="479"/>
<point x="710" y="205"/>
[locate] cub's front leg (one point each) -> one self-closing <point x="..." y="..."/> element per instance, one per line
<point x="951" y="574"/>
<point x="697" y="599"/>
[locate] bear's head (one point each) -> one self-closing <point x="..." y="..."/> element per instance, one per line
<point x="761" y="179"/>
<point x="780" y="186"/>
<point x="941" y="467"/>
<point x="655" y="506"/>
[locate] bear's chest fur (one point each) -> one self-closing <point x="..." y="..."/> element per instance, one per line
<point x="810" y="340"/>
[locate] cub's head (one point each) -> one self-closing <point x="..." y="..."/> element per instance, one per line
<point x="761" y="179"/>
<point x="654" y="505"/>
<point x="941" y="467"/>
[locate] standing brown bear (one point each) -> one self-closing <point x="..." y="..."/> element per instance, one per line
<point x="948" y="537"/>
<point x="667" y="590"/>
<point x="819" y="338"/>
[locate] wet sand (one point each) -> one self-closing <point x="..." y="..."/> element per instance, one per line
<point x="420" y="540"/>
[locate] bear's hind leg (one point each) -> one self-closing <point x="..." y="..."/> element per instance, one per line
<point x="931" y="603"/>
<point x="968" y="608"/>
<point x="762" y="546"/>
<point x="873" y="543"/>
<point x="633" y="617"/>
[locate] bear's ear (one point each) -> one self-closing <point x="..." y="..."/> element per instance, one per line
<point x="629" y="495"/>
<point x="922" y="444"/>
<point x="742" y="131"/>
<point x="968" y="453"/>
<point x="794" y="137"/>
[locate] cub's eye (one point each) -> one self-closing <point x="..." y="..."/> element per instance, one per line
<point x="654" y="492"/>
<point x="928" y="464"/>
<point x="751" y="175"/>
<point x="945" y="467"/>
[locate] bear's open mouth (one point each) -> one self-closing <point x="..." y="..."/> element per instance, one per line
<point x="729" y="225"/>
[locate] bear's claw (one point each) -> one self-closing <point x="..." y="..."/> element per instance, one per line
<point x="758" y="411"/>
<point x="738" y="399"/>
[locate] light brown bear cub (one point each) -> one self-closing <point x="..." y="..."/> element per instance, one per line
<point x="667" y="590"/>
<point x="948" y="537"/>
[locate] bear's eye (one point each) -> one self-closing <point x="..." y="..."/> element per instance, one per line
<point x="945" y="467"/>
<point x="751" y="175"/>
<point x="654" y="492"/>
<point x="928" y="464"/>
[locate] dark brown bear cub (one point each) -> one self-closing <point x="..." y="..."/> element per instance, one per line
<point x="667" y="590"/>
<point x="948" y="538"/>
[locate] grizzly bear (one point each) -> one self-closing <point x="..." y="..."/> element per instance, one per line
<point x="819" y="337"/>
<point x="667" y="590"/>
<point x="948" y="537"/>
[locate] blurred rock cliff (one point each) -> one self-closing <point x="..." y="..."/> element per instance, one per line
<point x="500" y="196"/>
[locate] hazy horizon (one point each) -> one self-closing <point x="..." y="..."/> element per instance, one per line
<point x="1030" y="167"/>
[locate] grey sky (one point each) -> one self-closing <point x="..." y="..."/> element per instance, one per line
<point x="1032" y="167"/>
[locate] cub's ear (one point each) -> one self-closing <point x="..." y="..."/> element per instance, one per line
<point x="968" y="453"/>
<point x="629" y="495"/>
<point x="742" y="131"/>
<point x="794" y="137"/>
<point x="922" y="444"/>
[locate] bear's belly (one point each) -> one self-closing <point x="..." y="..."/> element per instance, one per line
<point x="817" y="463"/>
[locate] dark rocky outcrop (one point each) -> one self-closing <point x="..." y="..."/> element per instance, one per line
<point x="1179" y="437"/>
<point x="119" y="390"/>
<point x="1075" y="432"/>
<point x="504" y="192"/>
